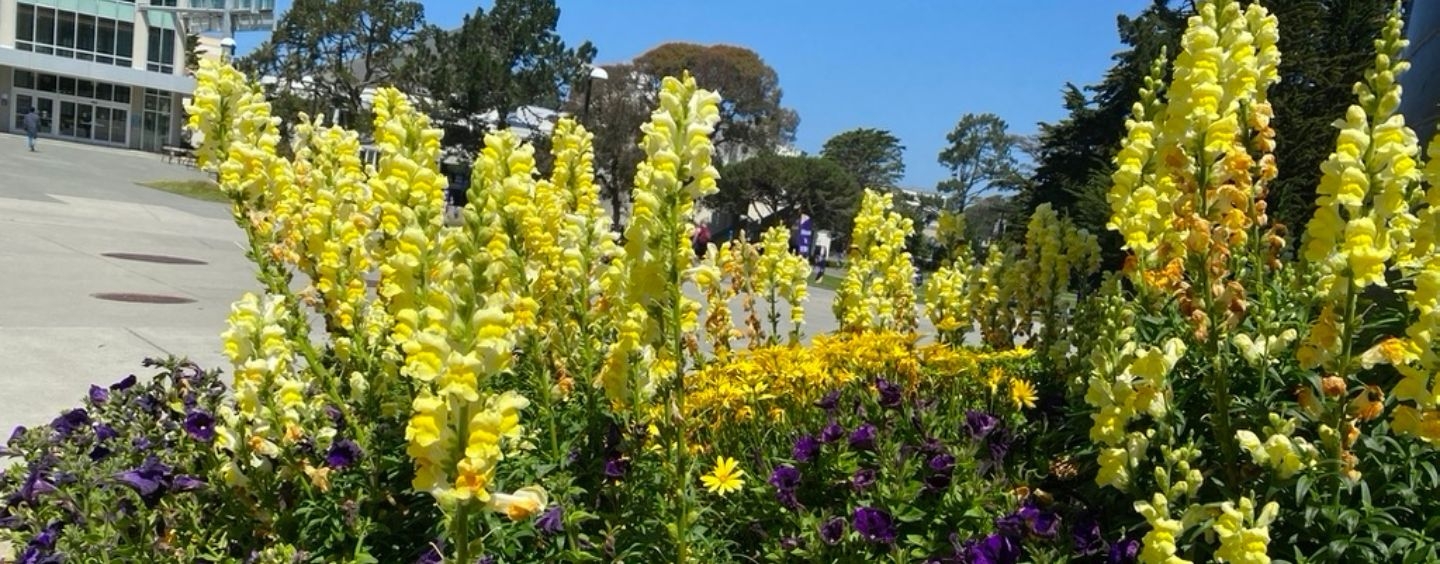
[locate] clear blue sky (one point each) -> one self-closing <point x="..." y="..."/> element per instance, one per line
<point x="909" y="66"/>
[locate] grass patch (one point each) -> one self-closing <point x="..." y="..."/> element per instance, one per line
<point x="197" y="189"/>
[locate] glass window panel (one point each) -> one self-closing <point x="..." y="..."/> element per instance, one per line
<point x="25" y="22"/>
<point x="149" y="101"/>
<point x="65" y="29"/>
<point x="118" y="126"/>
<point x="44" y="50"/>
<point x="85" y="121"/>
<point x="85" y="33"/>
<point x="167" y="47"/>
<point x="154" y="45"/>
<point x="105" y="37"/>
<point x="104" y="91"/>
<point x="24" y="79"/>
<point x="165" y="101"/>
<point x="125" y="40"/>
<point x="67" y="85"/>
<point x="67" y="118"/>
<point x="22" y="107"/>
<point x="122" y="94"/>
<point x="45" y="26"/>
<point x="47" y="82"/>
<point x="85" y="89"/>
<point x="102" y="123"/>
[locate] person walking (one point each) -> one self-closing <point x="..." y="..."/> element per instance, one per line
<point x="32" y="127"/>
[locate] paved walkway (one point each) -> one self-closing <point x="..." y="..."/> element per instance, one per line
<point x="61" y="210"/>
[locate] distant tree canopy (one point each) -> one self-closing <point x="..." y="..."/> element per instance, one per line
<point x="980" y="155"/>
<point x="1325" y="46"/>
<point x="498" y="61"/>
<point x="788" y="186"/>
<point x="873" y="157"/>
<point x="337" y="49"/>
<point x="751" y="116"/>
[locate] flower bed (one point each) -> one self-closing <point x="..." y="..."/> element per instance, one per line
<point x="522" y="387"/>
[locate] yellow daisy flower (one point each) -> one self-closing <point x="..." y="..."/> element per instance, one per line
<point x="1022" y="393"/>
<point x="725" y="477"/>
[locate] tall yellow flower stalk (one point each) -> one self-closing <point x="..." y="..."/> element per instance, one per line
<point x="650" y="313"/>
<point x="1363" y="224"/>
<point x="947" y="301"/>
<point x="878" y="292"/>
<point x="781" y="274"/>
<point x="1141" y="200"/>
<point x="721" y="262"/>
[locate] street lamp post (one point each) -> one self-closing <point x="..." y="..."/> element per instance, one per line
<point x="227" y="48"/>
<point x="596" y="73"/>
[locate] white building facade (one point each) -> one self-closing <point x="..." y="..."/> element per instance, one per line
<point x="106" y="72"/>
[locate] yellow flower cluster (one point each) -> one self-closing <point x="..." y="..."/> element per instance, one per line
<point x="727" y="260"/>
<point x="871" y="353"/>
<point x="1159" y="543"/>
<point x="781" y="274"/>
<point x="1140" y="199"/>
<point x="878" y="292"/>
<point x="273" y="404"/>
<point x="1055" y="252"/>
<point x="761" y="381"/>
<point x="333" y="223"/>
<point x="1132" y="382"/>
<point x="677" y="170"/>
<point x="947" y="301"/>
<point x="1244" y="537"/>
<point x="993" y="287"/>
<point x="1281" y="451"/>
<point x="227" y="109"/>
<point x="1362" y="220"/>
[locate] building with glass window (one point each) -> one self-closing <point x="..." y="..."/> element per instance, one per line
<point x="108" y="72"/>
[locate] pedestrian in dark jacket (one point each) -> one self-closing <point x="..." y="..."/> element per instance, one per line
<point x="32" y="127"/>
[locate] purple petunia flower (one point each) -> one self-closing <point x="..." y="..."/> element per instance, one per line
<point x="1124" y="551"/>
<point x="942" y="463"/>
<point x="863" y="438"/>
<point x="1040" y="522"/>
<point x="35" y="485"/>
<point x="979" y="424"/>
<point x="16" y="434"/>
<point x="70" y="421"/>
<point x="1086" y="535"/>
<point x="434" y="554"/>
<point x="889" y="393"/>
<point x="994" y="549"/>
<point x="127" y="383"/>
<point x="140" y="443"/>
<point x="806" y="448"/>
<point x="200" y="426"/>
<point x="100" y="452"/>
<point x="863" y="478"/>
<point x="829" y="402"/>
<point x="98" y="395"/>
<point x="342" y="454"/>
<point x="151" y="480"/>
<point x="616" y="467"/>
<point x="335" y="415"/>
<point x="831" y="433"/>
<point x="874" y="525"/>
<point x="786" y="479"/>
<point x="833" y="530"/>
<point x="1012" y="525"/>
<point x="552" y="521"/>
<point x="185" y="483"/>
<point x="937" y="482"/>
<point x="105" y="432"/>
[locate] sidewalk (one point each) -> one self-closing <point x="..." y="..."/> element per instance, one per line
<point x="61" y="210"/>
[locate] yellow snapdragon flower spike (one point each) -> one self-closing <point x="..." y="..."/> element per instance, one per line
<point x="644" y="285"/>
<point x="1244" y="537"/>
<point x="1159" y="544"/>
<point x="878" y="292"/>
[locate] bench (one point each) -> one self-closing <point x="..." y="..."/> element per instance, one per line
<point x="179" y="155"/>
